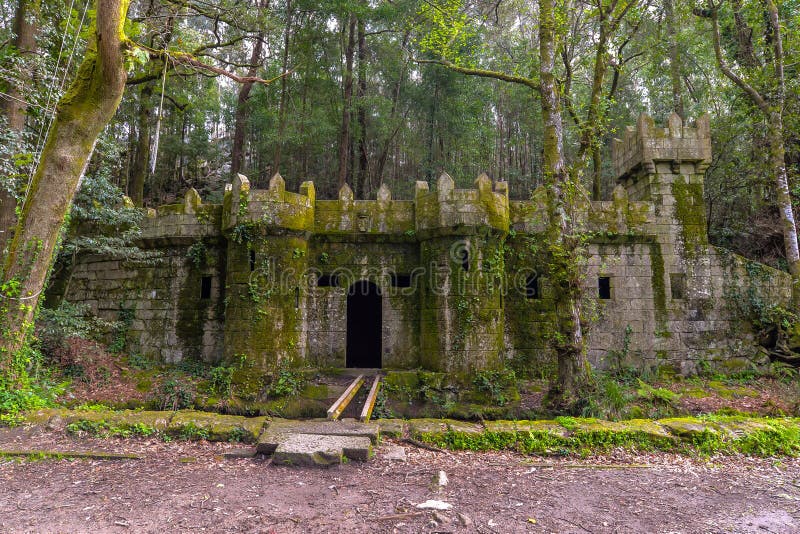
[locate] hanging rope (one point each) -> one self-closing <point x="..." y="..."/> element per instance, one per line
<point x="49" y="114"/>
<point x="154" y="152"/>
<point x="74" y="47"/>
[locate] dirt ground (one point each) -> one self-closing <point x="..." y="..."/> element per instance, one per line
<point x="190" y="487"/>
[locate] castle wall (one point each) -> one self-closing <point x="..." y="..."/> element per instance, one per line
<point x="161" y="302"/>
<point x="242" y="279"/>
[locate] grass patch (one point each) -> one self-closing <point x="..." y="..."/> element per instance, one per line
<point x="757" y="437"/>
<point x="104" y="429"/>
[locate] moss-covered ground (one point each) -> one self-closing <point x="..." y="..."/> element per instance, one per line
<point x="758" y="436"/>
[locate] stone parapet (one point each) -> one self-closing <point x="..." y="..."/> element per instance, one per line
<point x="182" y="223"/>
<point x="347" y="216"/>
<point x="273" y="209"/>
<point x="641" y="147"/>
<point x="449" y="210"/>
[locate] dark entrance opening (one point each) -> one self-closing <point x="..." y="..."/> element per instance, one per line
<point x="364" y="325"/>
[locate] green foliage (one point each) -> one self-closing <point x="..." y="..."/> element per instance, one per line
<point x="197" y="254"/>
<point x="13" y="403"/>
<point x="108" y="225"/>
<point x="104" y="429"/>
<point x="175" y="394"/>
<point x="120" y="334"/>
<point x="191" y="431"/>
<point x="238" y="435"/>
<point x="661" y="395"/>
<point x="496" y="384"/>
<point x="784" y="372"/>
<point x="777" y="439"/>
<point x="287" y="382"/>
<point x="54" y="327"/>
<point x="380" y="410"/>
<point x="221" y="378"/>
<point x="140" y="362"/>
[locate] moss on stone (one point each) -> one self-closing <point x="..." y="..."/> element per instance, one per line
<point x="691" y="215"/>
<point x="659" y="291"/>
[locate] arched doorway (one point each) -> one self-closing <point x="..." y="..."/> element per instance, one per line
<point x="364" y="317"/>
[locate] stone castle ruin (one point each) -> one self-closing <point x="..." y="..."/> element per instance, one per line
<point x="447" y="281"/>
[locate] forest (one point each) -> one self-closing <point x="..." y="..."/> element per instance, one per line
<point x="104" y="99"/>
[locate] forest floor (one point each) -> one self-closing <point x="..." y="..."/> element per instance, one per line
<point x="189" y="486"/>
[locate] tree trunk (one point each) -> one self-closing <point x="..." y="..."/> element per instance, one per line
<point x="674" y="58"/>
<point x="347" y="103"/>
<point x="361" y="93"/>
<point x="392" y="115"/>
<point x="82" y="113"/>
<point x="141" y="163"/>
<point x="590" y="140"/>
<point x="14" y="107"/>
<point x="240" y="120"/>
<point x="573" y="368"/>
<point x="276" y="161"/>
<point x="777" y="158"/>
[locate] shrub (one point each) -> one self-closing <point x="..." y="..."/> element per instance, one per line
<point x="288" y="382"/>
<point x="175" y="394"/>
<point x="221" y="378"/>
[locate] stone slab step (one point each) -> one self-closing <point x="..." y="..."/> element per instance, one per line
<point x="279" y="428"/>
<point x="321" y="450"/>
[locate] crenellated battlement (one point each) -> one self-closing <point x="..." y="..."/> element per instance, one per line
<point x="184" y="222"/>
<point x="273" y="208"/>
<point x="452" y="210"/>
<point x="641" y="147"/>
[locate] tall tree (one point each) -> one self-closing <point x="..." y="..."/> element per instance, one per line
<point x="769" y="99"/>
<point x="81" y="115"/>
<point x="240" y="121"/>
<point x="563" y="248"/>
<point x="14" y="103"/>
<point x="287" y="34"/>
<point x="574" y="373"/>
<point x="345" y="146"/>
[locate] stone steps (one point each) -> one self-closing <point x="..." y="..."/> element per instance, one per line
<point x="318" y="442"/>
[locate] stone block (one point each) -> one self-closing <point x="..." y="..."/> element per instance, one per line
<point x="279" y="428"/>
<point x="215" y="427"/>
<point x="321" y="450"/>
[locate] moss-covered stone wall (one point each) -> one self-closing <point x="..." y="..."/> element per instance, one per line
<point x="462" y="284"/>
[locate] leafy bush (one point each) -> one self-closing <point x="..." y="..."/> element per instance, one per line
<point x="288" y="382"/>
<point x="120" y="339"/>
<point x="191" y="431"/>
<point x="175" y="394"/>
<point x="197" y="254"/>
<point x="221" y="378"/>
<point x="139" y="361"/>
<point x="660" y="395"/>
<point x="496" y="384"/>
<point x="55" y="326"/>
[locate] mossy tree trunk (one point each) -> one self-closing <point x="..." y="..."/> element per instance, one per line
<point x="574" y="373"/>
<point x="81" y="115"/>
<point x="14" y="105"/>
<point x="141" y="161"/>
